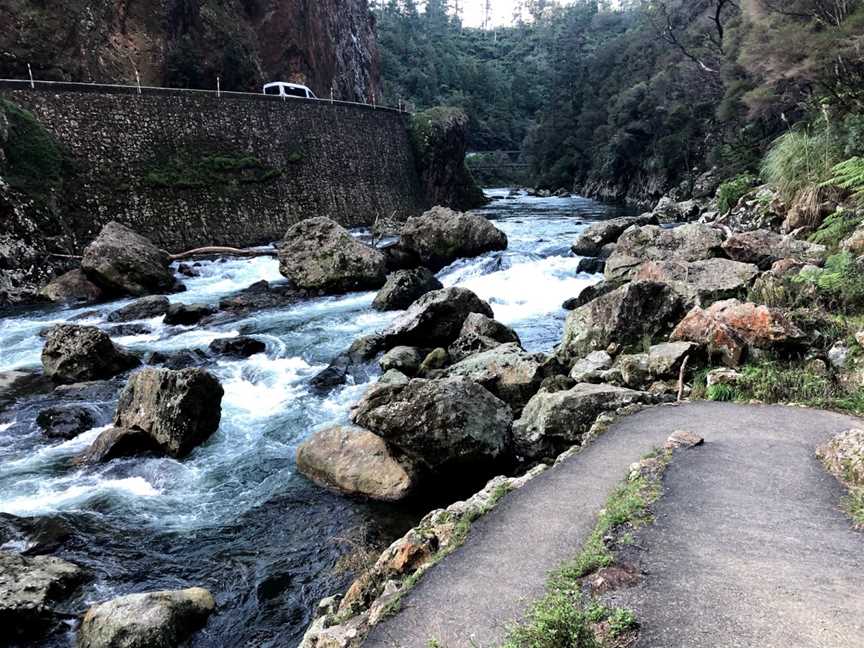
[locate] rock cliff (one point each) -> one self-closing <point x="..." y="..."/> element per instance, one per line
<point x="327" y="44"/>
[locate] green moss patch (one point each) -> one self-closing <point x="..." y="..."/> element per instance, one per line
<point x="211" y="171"/>
<point x="34" y="160"/>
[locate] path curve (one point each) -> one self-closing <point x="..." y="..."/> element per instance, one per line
<point x="751" y="547"/>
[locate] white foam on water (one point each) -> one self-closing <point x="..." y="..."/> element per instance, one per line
<point x="74" y="494"/>
<point x="6" y="426"/>
<point x="260" y="386"/>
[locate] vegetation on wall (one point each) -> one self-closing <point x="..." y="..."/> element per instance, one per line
<point x="187" y="172"/>
<point x="34" y="161"/>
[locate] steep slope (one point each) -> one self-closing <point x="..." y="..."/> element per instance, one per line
<point x="327" y="44"/>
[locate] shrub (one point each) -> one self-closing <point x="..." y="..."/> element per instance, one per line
<point x="556" y="621"/>
<point x="799" y="159"/>
<point x="35" y="161"/>
<point x="731" y="192"/>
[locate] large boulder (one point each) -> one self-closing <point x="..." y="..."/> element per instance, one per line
<point x="354" y="461"/>
<point x="319" y="254"/>
<point x="30" y="588"/>
<point x="124" y="262"/>
<point x="179" y="409"/>
<point x="72" y="287"/>
<point x="405" y="287"/>
<point x="629" y="315"/>
<point x="729" y="329"/>
<point x="764" y="247"/>
<point x="80" y="353"/>
<point x="480" y="333"/>
<point x="691" y="242"/>
<point x="659" y="362"/>
<point x="148" y="620"/>
<point x="436" y="318"/>
<point x="553" y="421"/>
<point x="144" y="308"/>
<point x="438" y="423"/>
<point x="509" y="372"/>
<point x="441" y="235"/>
<point x="701" y="283"/>
<point x="591" y="242"/>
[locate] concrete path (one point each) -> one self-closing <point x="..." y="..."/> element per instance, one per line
<point x="751" y="549"/>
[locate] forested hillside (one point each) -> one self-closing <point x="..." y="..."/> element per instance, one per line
<point x="634" y="99"/>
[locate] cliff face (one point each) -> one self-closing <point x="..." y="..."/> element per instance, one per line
<point x="327" y="44"/>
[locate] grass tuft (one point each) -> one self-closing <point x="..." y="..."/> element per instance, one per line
<point x="800" y="159"/>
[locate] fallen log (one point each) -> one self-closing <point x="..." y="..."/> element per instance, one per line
<point x="225" y="251"/>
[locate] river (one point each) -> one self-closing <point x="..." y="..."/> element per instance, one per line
<point x="234" y="516"/>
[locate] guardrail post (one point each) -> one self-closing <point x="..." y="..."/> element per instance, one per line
<point x="30" y="72"/>
<point x="218" y="88"/>
<point x="138" y="81"/>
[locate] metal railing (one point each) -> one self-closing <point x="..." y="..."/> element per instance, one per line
<point x="219" y="94"/>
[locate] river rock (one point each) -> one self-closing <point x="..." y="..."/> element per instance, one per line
<point x="553" y="421"/>
<point x="701" y="283"/>
<point x="441" y="235"/>
<point x="319" y="254"/>
<point x="237" y="347"/>
<point x="590" y="293"/>
<point x="148" y="620"/>
<point x="65" y="421"/>
<point x="434" y="362"/>
<point x="691" y="242"/>
<point x="396" y="258"/>
<point x="730" y="328"/>
<point x="144" y="308"/>
<point x="764" y="247"/>
<point x="72" y="287"/>
<point x="438" y="423"/>
<point x="436" y="318"/>
<point x="183" y="359"/>
<point x="349" y="363"/>
<point x="404" y="287"/>
<point x="591" y="242"/>
<point x="80" y="353"/>
<point x="402" y="358"/>
<point x="591" y="368"/>
<point x="629" y="315"/>
<point x="480" y="333"/>
<point x="179" y="409"/>
<point x="354" y="461"/>
<point x="261" y="296"/>
<point x="30" y="588"/>
<point x="187" y="314"/>
<point x="659" y="362"/>
<point x="118" y="443"/>
<point x="124" y="262"/>
<point x="509" y="372"/>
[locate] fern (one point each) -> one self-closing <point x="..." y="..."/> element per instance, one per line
<point x="836" y="228"/>
<point x="849" y="175"/>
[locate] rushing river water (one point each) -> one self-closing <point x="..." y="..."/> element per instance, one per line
<point x="235" y="517"/>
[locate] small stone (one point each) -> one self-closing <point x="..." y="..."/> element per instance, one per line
<point x="683" y="439"/>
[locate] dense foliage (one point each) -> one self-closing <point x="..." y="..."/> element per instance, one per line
<point x="632" y="99"/>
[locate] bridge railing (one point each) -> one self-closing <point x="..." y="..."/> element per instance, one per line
<point x="113" y="88"/>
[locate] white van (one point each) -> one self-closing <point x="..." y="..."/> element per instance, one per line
<point x="282" y="89"/>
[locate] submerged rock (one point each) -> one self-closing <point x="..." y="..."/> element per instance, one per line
<point x="404" y="287"/>
<point x="441" y="235"/>
<point x="118" y="443"/>
<point x="436" y="318"/>
<point x="144" y="308"/>
<point x="122" y="261"/>
<point x="149" y="620"/>
<point x="65" y="421"/>
<point x="178" y="409"/>
<point x="261" y="296"/>
<point x="72" y="287"/>
<point x="438" y="423"/>
<point x="629" y="315"/>
<point x="552" y="421"/>
<point x="320" y="254"/>
<point x="355" y="461"/>
<point x="30" y="588"/>
<point x="187" y="314"/>
<point x="80" y="353"/>
<point x="729" y="329"/>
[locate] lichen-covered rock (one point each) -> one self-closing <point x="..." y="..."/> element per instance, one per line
<point x="436" y="318"/>
<point x="179" y="409"/>
<point x="435" y="361"/>
<point x="691" y="242"/>
<point x="553" y="421"/>
<point x="590" y="369"/>
<point x="659" y="362"/>
<point x="764" y="247"/>
<point x="149" y="620"/>
<point x="701" y="283"/>
<point x="730" y="328"/>
<point x="320" y="254"/>
<point x="480" y="333"/>
<point x="144" y="308"/>
<point x="843" y="456"/>
<point x="509" y="372"/>
<point x="402" y="358"/>
<point x="591" y="242"/>
<point x="30" y="588"/>
<point x="72" y="287"/>
<point x="441" y="235"/>
<point x="80" y="353"/>
<point x="628" y="315"/>
<point x="123" y="262"/>
<point x="438" y="423"/>
<point x="405" y="287"/>
<point x="354" y="461"/>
